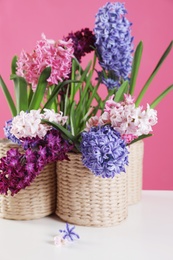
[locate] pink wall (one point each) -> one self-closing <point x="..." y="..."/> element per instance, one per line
<point x="22" y="22"/>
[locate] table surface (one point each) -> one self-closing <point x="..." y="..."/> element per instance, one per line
<point x="147" y="233"/>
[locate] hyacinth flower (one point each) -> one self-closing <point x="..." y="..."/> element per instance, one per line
<point x="113" y="43"/>
<point x="38" y="76"/>
<point x="83" y="42"/>
<point x="18" y="170"/>
<point x="131" y="122"/>
<point x="114" y="49"/>
<point x="104" y="152"/>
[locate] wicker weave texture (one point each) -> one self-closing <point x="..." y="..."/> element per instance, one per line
<point x="84" y="199"/>
<point x="134" y="171"/>
<point x="36" y="201"/>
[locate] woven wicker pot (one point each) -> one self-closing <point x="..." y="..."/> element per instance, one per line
<point x="84" y="199"/>
<point x="135" y="172"/>
<point x="36" y="201"/>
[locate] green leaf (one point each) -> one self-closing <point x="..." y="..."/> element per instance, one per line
<point x="145" y="87"/>
<point x="55" y="92"/>
<point x="87" y="96"/>
<point x="81" y="80"/>
<point x="8" y="97"/>
<point x="13" y="65"/>
<point x="72" y="89"/>
<point x="30" y="95"/>
<point x="40" y="90"/>
<point x="91" y="112"/>
<point x="66" y="102"/>
<point x="21" y="94"/>
<point x="66" y="133"/>
<point x="72" y="119"/>
<point x="52" y="97"/>
<point x="140" y="138"/>
<point x="92" y="96"/>
<point x="135" y="67"/>
<point x="121" y="91"/>
<point x="161" y="96"/>
<point x="83" y="95"/>
<point x="97" y="97"/>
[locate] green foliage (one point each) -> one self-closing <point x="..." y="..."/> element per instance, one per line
<point x="153" y="74"/>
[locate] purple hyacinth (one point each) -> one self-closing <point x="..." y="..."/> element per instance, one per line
<point x="113" y="40"/>
<point x="18" y="170"/>
<point x="83" y="42"/>
<point x="103" y="151"/>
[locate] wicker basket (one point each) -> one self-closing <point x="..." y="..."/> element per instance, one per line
<point x="87" y="200"/>
<point x="134" y="171"/>
<point x="36" y="201"/>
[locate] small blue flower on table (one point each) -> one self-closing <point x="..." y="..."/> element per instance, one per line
<point x="69" y="233"/>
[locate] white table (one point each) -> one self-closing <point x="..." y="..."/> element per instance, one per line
<point x="146" y="234"/>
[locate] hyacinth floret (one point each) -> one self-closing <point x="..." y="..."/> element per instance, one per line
<point x="103" y="151"/>
<point x="113" y="40"/>
<point x="69" y="233"/>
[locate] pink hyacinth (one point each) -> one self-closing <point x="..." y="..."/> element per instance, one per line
<point x="131" y="121"/>
<point x="127" y="119"/>
<point x="47" y="53"/>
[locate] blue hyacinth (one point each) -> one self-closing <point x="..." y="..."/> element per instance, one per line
<point x="113" y="40"/>
<point x="103" y="151"/>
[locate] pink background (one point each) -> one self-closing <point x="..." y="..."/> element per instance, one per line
<point x="21" y="25"/>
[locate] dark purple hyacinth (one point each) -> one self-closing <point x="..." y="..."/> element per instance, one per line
<point x="83" y="42"/>
<point x="104" y="152"/>
<point x="113" y="40"/>
<point x="18" y="170"/>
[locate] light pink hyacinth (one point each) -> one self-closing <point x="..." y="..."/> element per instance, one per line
<point x="48" y="53"/>
<point x="29" y="124"/>
<point x="130" y="121"/>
